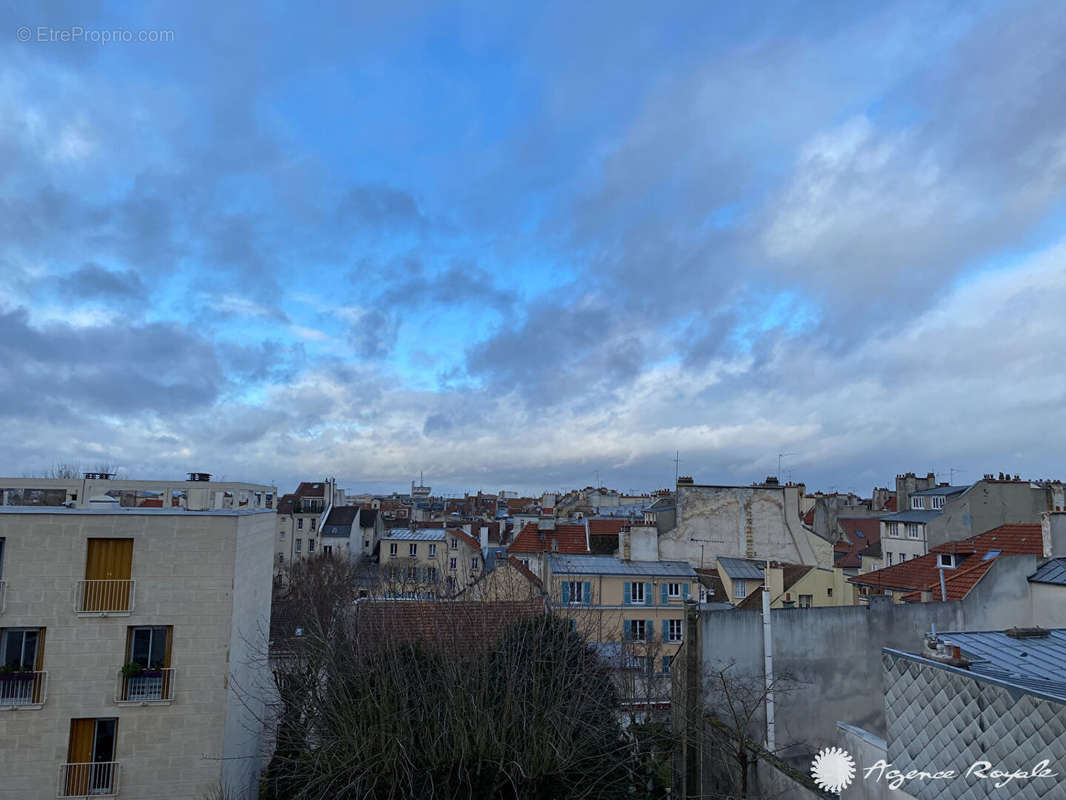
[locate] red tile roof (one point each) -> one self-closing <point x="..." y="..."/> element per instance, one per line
<point x="808" y="518"/>
<point x="571" y="539"/>
<point x="922" y="574"/>
<point x="607" y="527"/>
<point x="461" y="628"/>
<point x="863" y="539"/>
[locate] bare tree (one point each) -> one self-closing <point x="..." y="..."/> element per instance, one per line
<point x="397" y="698"/>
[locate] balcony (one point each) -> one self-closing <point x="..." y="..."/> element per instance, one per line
<point x="104" y="597"/>
<point x="23" y="690"/>
<point x="149" y="688"/>
<point x="91" y="779"/>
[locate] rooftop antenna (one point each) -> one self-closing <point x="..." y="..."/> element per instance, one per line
<point x="951" y="474"/>
<point x="677" y="465"/>
<point x="779" y="457"/>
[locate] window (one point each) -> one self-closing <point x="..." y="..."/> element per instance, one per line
<point x="310" y="545"/>
<point x="281" y="535"/>
<point x="829" y="592"/>
<point x="392" y="548"/>
<point x="888" y="556"/>
<point x="451" y="563"/>
<point x="806" y="600"/>
<point x="19" y="648"/>
<point x="740" y="589"/>
<point x="327" y="549"/>
<point x="572" y="590"/>
<point x="90" y="767"/>
<point x="892" y="528"/>
<point x="673" y="590"/>
<point x="573" y="626"/>
<point x="913" y="530"/>
<point x="947" y="560"/>
<point x="299" y="545"/>
<point x="666" y="664"/>
<point x="314" y="524"/>
<point x="673" y="630"/>
<point x="455" y="543"/>
<point x="432" y="576"/>
<point x="411" y="574"/>
<point x="938" y="502"/>
<point x="149" y="647"/>
<point x="281" y="558"/>
<point x="638" y="592"/>
<point x="524" y="562"/>
<point x="300" y="523"/>
<point x="916" y="503"/>
<point x="638" y="630"/>
<point x="412" y="549"/>
<point x="432" y="549"/>
<point x="474" y="563"/>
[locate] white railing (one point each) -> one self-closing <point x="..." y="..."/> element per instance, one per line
<point x="92" y="779"/>
<point x="3" y="596"/>
<point x="151" y="686"/>
<point x="104" y="596"/>
<point x="23" y="689"/>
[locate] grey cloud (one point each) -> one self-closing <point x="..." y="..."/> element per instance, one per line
<point x="373" y="335"/>
<point x="381" y="208"/>
<point x="93" y="281"/>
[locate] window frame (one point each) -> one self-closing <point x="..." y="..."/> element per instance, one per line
<point x="636" y="595"/>
<point x="740" y="588"/>
<point x="670" y="590"/>
<point x="412" y="550"/>
<point x="574" y="593"/>
<point x="679" y="636"/>
<point x="393" y="547"/>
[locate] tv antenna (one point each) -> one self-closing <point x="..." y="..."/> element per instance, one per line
<point x="677" y="465"/>
<point x="779" y="457"/>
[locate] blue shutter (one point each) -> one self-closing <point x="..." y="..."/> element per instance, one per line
<point x="586" y="590"/>
<point x="626" y="631"/>
<point x="566" y="592"/>
<point x="649" y="628"/>
<point x="627" y="594"/>
<point x="684" y="591"/>
<point x="666" y="630"/>
<point x="647" y="594"/>
<point x="666" y="597"/>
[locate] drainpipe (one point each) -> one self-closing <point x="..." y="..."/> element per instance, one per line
<point x="943" y="588"/>
<point x="768" y="663"/>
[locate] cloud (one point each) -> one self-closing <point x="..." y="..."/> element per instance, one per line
<point x="93" y="281"/>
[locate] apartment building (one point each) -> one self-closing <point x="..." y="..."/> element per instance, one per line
<point x="133" y="643"/>
<point x="429" y="561"/>
<point x="636" y="602"/>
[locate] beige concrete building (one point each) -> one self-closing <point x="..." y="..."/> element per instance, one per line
<point x="133" y="643"/>
<point x="790" y="585"/>
<point x="428" y="562"/>
<point x="639" y="603"/>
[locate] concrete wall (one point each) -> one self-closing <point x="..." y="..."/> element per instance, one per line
<point x="987" y="505"/>
<point x="866" y="749"/>
<point x="717" y="521"/>
<point x="185" y="568"/>
<point x="250" y="682"/>
<point x="833" y="654"/>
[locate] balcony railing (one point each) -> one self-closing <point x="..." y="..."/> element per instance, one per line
<point x="3" y="595"/>
<point x="104" y="597"/>
<point x="23" y="689"/>
<point x="148" y="688"/>
<point x="92" y="779"/>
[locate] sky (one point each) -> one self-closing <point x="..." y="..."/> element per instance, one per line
<point x="534" y="246"/>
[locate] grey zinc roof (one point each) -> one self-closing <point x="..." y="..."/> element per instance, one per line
<point x="944" y="490"/>
<point x="424" y="535"/>
<point x="1054" y="571"/>
<point x="609" y="565"/>
<point x="1031" y="663"/>
<point x="911" y="515"/>
<point x="741" y="568"/>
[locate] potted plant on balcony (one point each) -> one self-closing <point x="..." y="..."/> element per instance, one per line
<point x="13" y="672"/>
<point x="135" y="669"/>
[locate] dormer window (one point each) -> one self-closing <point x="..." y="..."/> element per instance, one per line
<point x="938" y="502"/>
<point x="916" y="503"/>
<point x="947" y="561"/>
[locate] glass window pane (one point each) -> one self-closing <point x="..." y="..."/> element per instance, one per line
<point x="29" y="649"/>
<point x="12" y="648"/>
<point x="141" y="645"/>
<point x="159" y="646"/>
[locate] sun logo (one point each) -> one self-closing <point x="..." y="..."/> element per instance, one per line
<point x="833" y="769"/>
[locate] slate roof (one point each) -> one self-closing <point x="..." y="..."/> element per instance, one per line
<point x="367" y="517"/>
<point x="978" y="553"/>
<point x="311" y="489"/>
<point x="1054" y="572"/>
<point x="1031" y="662"/>
<point x="406" y="534"/>
<point x="609" y="565"/>
<point x="911" y="515"/>
<point x="941" y="490"/>
<point x="339" y="522"/>
<point x="741" y="568"/>
<point x="571" y="539"/>
<point x="712" y="581"/>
